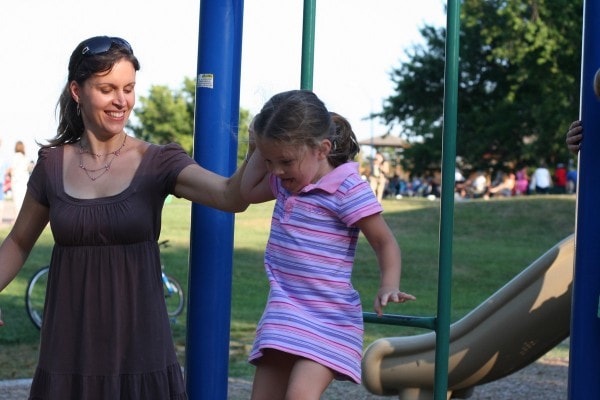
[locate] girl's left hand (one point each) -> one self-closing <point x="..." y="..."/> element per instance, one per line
<point x="386" y="295"/>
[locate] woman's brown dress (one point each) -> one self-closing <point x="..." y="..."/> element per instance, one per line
<point x="106" y="333"/>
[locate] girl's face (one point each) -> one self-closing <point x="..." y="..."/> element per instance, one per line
<point x="296" y="166"/>
<point x="106" y="100"/>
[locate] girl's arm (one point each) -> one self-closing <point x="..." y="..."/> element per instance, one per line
<point x="386" y="248"/>
<point x="15" y="249"/>
<point x="256" y="187"/>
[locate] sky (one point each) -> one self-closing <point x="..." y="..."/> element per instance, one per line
<point x="357" y="45"/>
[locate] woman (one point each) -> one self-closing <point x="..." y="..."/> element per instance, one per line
<point x="105" y="333"/>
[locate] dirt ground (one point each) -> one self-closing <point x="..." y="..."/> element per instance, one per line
<point x="545" y="379"/>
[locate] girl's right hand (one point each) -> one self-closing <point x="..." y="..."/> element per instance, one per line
<point x="574" y="137"/>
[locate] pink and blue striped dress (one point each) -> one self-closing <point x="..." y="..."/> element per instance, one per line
<point x="312" y="310"/>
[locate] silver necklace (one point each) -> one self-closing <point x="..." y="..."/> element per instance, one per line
<point x="95" y="173"/>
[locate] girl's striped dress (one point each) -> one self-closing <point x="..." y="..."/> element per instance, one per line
<point x="312" y="310"/>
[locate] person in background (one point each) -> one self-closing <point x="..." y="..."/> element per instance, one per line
<point x="571" y="179"/>
<point x="560" y="179"/>
<point x="19" y="171"/>
<point x="3" y="172"/>
<point x="478" y="187"/>
<point x="521" y="181"/>
<point x="105" y="332"/>
<point x="505" y="187"/>
<point x="541" y="180"/>
<point x="460" y="190"/>
<point x="312" y="327"/>
<point x="378" y="176"/>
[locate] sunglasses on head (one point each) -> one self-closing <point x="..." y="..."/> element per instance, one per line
<point x="102" y="44"/>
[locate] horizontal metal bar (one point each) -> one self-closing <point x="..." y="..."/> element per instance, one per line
<point x="403" y="320"/>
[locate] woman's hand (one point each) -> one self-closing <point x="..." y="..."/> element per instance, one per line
<point x="574" y="137"/>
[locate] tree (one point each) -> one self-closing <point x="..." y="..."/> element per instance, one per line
<point x="519" y="74"/>
<point x="243" y="136"/>
<point x="166" y="116"/>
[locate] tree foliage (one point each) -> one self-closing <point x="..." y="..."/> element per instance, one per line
<point x="166" y="116"/>
<point x="519" y="72"/>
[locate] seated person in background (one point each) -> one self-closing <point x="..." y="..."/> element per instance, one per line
<point x="505" y="187"/>
<point x="479" y="186"/>
<point x="522" y="182"/>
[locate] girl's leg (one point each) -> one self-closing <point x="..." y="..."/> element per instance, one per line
<point x="272" y="375"/>
<point x="308" y="380"/>
<point x="283" y="376"/>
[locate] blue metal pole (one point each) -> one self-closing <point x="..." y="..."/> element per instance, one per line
<point x="584" y="366"/>
<point x="211" y="250"/>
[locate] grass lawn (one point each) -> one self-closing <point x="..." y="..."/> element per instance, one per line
<point x="493" y="241"/>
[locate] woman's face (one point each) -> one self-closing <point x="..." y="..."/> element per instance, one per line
<point x="296" y="166"/>
<point x="106" y="100"/>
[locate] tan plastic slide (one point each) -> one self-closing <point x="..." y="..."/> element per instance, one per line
<point x="518" y="324"/>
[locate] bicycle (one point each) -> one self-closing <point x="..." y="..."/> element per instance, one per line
<point x="35" y="294"/>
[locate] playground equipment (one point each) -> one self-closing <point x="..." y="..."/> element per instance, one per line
<point x="517" y="325"/>
<point x="584" y="367"/>
<point x="217" y="104"/>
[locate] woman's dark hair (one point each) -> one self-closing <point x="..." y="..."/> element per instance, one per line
<point x="300" y="118"/>
<point x="92" y="56"/>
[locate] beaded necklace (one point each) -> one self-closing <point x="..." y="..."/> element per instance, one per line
<point x="96" y="173"/>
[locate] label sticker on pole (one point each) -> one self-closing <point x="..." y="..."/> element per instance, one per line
<point x="205" y="81"/>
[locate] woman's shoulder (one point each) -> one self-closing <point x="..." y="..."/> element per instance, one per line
<point x="155" y="151"/>
<point x="168" y="149"/>
<point x="164" y="157"/>
<point x="50" y="153"/>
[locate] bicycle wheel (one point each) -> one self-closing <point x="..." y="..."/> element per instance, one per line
<point x="35" y="296"/>
<point x="173" y="296"/>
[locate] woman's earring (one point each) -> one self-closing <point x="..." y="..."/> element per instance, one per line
<point x="78" y="109"/>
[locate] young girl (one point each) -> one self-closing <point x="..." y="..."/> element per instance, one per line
<point x="311" y="330"/>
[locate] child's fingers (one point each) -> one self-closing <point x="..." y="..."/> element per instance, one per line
<point x="378" y="307"/>
<point x="398" y="297"/>
<point x="394" y="297"/>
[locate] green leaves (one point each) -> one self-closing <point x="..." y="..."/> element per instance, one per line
<point x="166" y="116"/>
<point x="518" y="85"/>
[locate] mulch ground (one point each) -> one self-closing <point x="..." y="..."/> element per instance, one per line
<point x="545" y="379"/>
